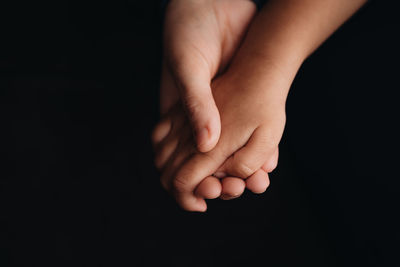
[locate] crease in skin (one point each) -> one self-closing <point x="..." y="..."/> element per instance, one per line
<point x="229" y="152"/>
<point x="171" y="171"/>
<point x="220" y="174"/>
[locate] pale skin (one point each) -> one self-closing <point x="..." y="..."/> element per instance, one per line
<point x="200" y="36"/>
<point x="250" y="98"/>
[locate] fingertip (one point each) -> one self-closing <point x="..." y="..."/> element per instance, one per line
<point x="271" y="164"/>
<point x="160" y="131"/>
<point x="209" y="188"/>
<point x="232" y="187"/>
<point x="208" y="132"/>
<point x="204" y="208"/>
<point x="258" y="182"/>
<point x="192" y="203"/>
<point x="207" y="139"/>
<point x="201" y="205"/>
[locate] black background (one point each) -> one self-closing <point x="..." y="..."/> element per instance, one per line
<point x="78" y="99"/>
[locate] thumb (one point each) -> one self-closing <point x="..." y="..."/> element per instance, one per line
<point x="198" y="101"/>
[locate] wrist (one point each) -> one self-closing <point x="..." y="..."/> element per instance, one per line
<point x="266" y="79"/>
<point x="283" y="63"/>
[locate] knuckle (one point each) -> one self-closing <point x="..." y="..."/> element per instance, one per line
<point x="179" y="184"/>
<point x="193" y="105"/>
<point x="269" y="142"/>
<point x="243" y="168"/>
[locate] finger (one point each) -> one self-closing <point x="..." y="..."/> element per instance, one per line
<point x="169" y="145"/>
<point x="271" y="164"/>
<point x="191" y="173"/>
<point x="261" y="146"/>
<point x="258" y="182"/>
<point x="182" y="153"/>
<point x="193" y="82"/>
<point x="161" y="130"/>
<point x="171" y="122"/>
<point x="232" y="187"/>
<point x="209" y="188"/>
<point x="164" y="151"/>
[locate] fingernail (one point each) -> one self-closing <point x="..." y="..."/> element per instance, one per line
<point x="227" y="197"/>
<point x="220" y="174"/>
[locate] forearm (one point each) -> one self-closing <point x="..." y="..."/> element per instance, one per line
<point x="286" y="32"/>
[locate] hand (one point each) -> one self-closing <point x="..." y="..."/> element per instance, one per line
<point x="253" y="119"/>
<point x="200" y="38"/>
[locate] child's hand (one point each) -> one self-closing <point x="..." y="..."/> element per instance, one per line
<point x="173" y="135"/>
<point x="250" y="96"/>
<point x="200" y="37"/>
<point x="252" y="119"/>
